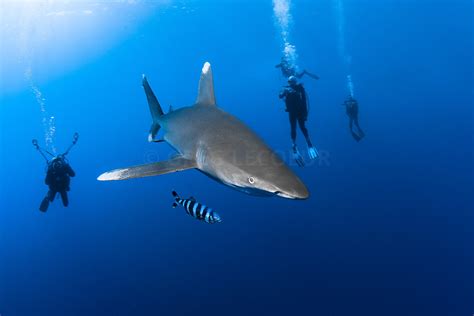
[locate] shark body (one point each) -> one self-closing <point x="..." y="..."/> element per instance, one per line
<point x="217" y="144"/>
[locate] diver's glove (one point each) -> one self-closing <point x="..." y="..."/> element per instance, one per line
<point x="313" y="153"/>
<point x="356" y="137"/>
<point x="297" y="157"/>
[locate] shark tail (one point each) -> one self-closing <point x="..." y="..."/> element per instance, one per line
<point x="155" y="109"/>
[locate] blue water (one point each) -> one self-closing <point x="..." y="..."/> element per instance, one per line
<point x="388" y="229"/>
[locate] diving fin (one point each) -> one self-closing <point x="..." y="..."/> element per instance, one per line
<point x="313" y="76"/>
<point x="297" y="157"/>
<point x="313" y="153"/>
<point x="356" y="137"/>
<point x="44" y="205"/>
<point x="153" y="169"/>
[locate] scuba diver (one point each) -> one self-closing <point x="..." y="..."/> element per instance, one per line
<point x="58" y="175"/>
<point x="352" y="110"/>
<point x="297" y="108"/>
<point x="288" y="70"/>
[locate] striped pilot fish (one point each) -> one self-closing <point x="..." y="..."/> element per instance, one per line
<point x="197" y="210"/>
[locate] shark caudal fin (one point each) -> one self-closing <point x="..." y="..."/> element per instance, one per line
<point x="206" y="95"/>
<point x="155" y="109"/>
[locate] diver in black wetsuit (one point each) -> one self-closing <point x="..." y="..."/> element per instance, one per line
<point x="58" y="175"/>
<point x="288" y="70"/>
<point x="58" y="178"/>
<point x="297" y="108"/>
<point x="352" y="110"/>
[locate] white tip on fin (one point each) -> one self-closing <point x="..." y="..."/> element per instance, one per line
<point x="206" y="87"/>
<point x="112" y="175"/>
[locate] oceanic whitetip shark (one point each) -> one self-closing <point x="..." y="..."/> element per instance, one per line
<point x="217" y="144"/>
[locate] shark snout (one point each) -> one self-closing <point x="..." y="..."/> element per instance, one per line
<point x="294" y="189"/>
<point x="299" y="193"/>
<point x="281" y="182"/>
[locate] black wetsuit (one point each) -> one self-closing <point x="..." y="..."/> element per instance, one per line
<point x="58" y="178"/>
<point x="352" y="110"/>
<point x="297" y="108"/>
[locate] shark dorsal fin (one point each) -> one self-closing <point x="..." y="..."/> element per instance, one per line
<point x="206" y="87"/>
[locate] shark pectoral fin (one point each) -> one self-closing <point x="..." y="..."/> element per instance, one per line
<point x="149" y="170"/>
<point x="206" y="95"/>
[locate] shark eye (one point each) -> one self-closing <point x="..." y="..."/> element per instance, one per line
<point x="251" y="180"/>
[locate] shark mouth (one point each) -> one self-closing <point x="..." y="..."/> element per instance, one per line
<point x="263" y="193"/>
<point x="257" y="192"/>
<point x="285" y="195"/>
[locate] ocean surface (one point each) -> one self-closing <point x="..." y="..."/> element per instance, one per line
<point x="388" y="228"/>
